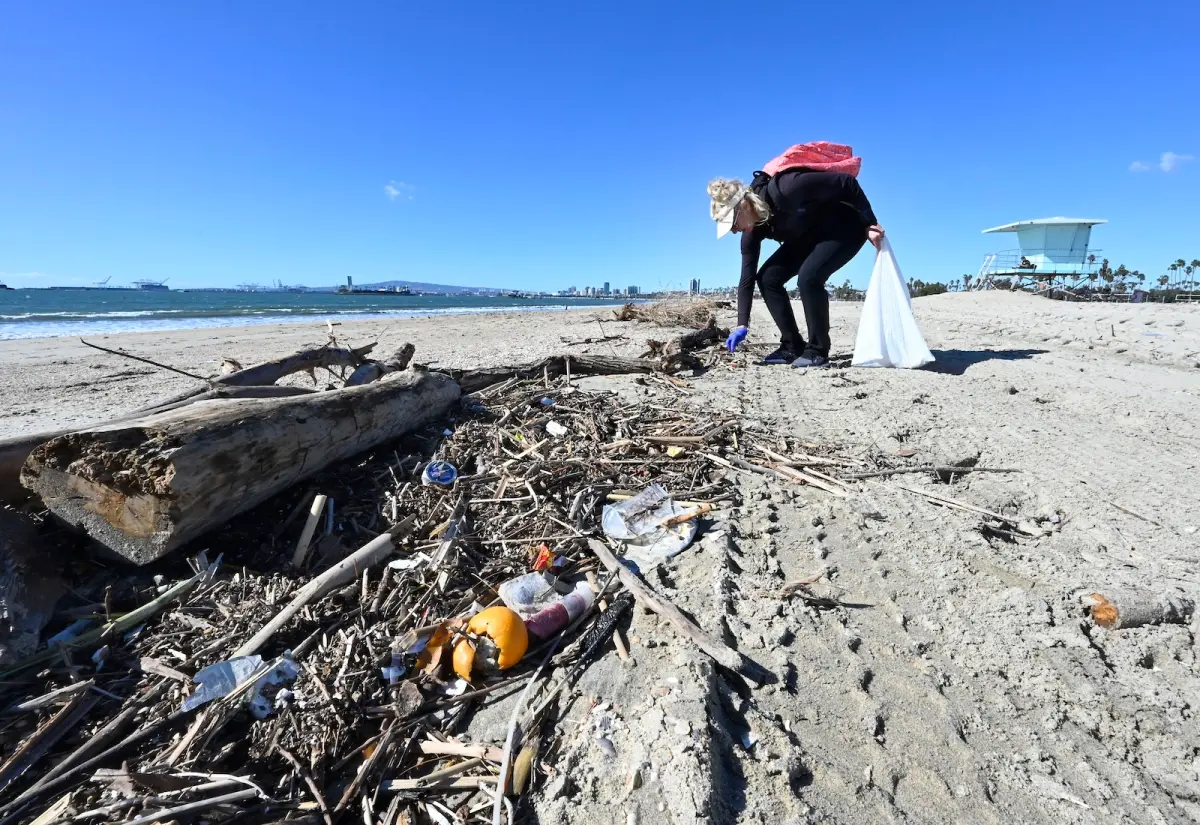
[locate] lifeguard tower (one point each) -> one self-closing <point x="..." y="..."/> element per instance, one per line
<point x="1052" y="253"/>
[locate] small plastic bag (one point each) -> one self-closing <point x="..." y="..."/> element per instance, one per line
<point x="639" y="524"/>
<point x="888" y="335"/>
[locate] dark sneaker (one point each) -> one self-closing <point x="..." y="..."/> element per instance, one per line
<point x="812" y="362"/>
<point x="780" y="356"/>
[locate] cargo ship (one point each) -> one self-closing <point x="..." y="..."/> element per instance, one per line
<point x="351" y="289"/>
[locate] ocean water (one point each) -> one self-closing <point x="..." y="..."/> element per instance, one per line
<point x="38" y="313"/>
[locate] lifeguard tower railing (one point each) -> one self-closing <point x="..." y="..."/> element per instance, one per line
<point x="1037" y="265"/>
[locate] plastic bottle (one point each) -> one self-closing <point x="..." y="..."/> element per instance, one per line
<point x="553" y="618"/>
<point x="527" y="594"/>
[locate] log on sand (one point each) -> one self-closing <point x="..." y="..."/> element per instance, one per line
<point x="1119" y="608"/>
<point x="14" y="451"/>
<point x="146" y="486"/>
<point x="554" y="366"/>
<point x="252" y="382"/>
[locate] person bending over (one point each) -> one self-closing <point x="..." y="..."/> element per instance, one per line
<point x="821" y="220"/>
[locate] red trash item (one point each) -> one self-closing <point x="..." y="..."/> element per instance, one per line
<point x="820" y="156"/>
<point x="545" y="558"/>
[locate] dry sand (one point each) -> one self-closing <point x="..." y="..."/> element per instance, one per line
<point x="970" y="687"/>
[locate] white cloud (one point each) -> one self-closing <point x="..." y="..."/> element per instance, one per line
<point x="1170" y="161"/>
<point x="397" y="189"/>
<point x="1138" y="166"/>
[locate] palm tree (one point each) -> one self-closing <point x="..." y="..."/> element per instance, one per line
<point x="967" y="279"/>
<point x="1195" y="268"/>
<point x="1173" y="268"/>
<point x="1162" y="280"/>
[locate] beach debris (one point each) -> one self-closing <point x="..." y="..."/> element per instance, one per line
<point x="370" y="697"/>
<point x="1120" y="608"/>
<point x="651" y="527"/>
<point x="554" y="617"/>
<point x="192" y="469"/>
<point x="224" y="678"/>
<point x="527" y="594"/>
<point x="442" y="473"/>
<point x="688" y="312"/>
<point x="30" y="587"/>
<point x="496" y="640"/>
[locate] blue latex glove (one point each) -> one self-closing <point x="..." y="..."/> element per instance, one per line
<point x="736" y="337"/>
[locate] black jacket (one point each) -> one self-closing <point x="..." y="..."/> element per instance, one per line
<point x="805" y="206"/>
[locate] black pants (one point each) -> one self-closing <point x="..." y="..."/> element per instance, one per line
<point x="814" y="262"/>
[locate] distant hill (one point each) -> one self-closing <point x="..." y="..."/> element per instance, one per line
<point x="418" y="286"/>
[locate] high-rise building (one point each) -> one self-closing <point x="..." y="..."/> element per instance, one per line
<point x="607" y="290"/>
<point x="633" y="290"/>
<point x="695" y="290"/>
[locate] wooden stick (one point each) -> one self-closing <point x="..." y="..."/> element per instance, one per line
<point x="682" y="518"/>
<point x="50" y="698"/>
<point x="806" y="477"/>
<point x="35" y="745"/>
<point x="685" y="440"/>
<point x="199" y="805"/>
<point x="310" y="527"/>
<point x="144" y="361"/>
<point x="308" y="780"/>
<point x="929" y="468"/>
<point x="453" y="770"/>
<point x="947" y="501"/>
<point x="722" y="655"/>
<point x="434" y="748"/>
<point x="1135" y="514"/>
<point x="440" y="786"/>
<point x="618" y="639"/>
<point x="344" y="572"/>
<point x="98" y="741"/>
<point x="1120" y="608"/>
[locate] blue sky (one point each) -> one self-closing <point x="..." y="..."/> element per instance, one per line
<point x="540" y="145"/>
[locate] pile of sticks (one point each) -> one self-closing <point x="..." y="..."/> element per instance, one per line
<point x="694" y="313"/>
<point x="537" y="459"/>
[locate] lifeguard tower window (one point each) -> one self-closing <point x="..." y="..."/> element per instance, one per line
<point x="1050" y="252"/>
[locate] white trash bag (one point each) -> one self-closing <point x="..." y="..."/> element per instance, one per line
<point x="888" y="335"/>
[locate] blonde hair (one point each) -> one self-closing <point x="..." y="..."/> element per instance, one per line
<point x="725" y="191"/>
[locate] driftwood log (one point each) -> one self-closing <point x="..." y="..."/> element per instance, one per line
<point x="252" y="382"/>
<point x="675" y="354"/>
<point x="145" y="486"/>
<point x="554" y="366"/>
<point x="374" y="370"/>
<point x="14" y="451"/>
<point x="1134" y="607"/>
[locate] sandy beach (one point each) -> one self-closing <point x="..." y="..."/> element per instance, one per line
<point x="969" y="687"/>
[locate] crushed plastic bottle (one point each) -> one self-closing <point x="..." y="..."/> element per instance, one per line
<point x="527" y="594"/>
<point x="553" y="618"/>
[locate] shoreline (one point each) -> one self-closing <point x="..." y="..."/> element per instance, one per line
<point x="72" y="324"/>
<point x="57" y="381"/>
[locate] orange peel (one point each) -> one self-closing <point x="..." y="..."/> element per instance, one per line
<point x="504" y="628"/>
